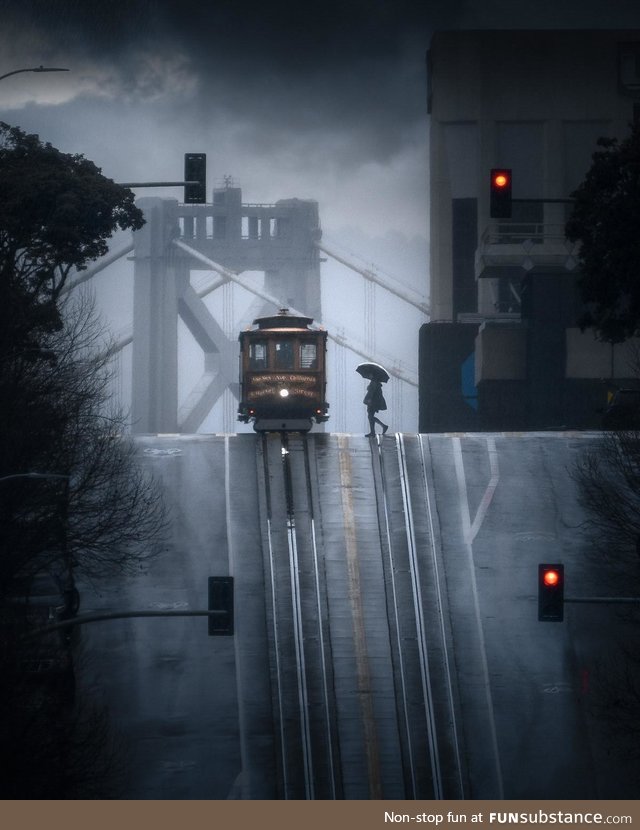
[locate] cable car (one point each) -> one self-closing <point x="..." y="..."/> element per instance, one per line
<point x="283" y="374"/>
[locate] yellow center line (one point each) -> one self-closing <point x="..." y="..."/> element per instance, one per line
<point x="365" y="694"/>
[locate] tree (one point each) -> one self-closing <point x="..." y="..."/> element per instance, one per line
<point x="100" y="514"/>
<point x="105" y="520"/>
<point x="108" y="516"/>
<point x="606" y="221"/>
<point x="57" y="213"/>
<point x="608" y="480"/>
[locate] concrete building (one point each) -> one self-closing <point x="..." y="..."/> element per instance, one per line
<point x="502" y="350"/>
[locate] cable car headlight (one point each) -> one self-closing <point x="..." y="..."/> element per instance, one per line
<point x="284" y="393"/>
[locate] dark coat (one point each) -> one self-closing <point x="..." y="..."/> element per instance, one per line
<point x="374" y="399"/>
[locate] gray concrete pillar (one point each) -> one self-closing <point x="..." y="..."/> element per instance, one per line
<point x="155" y="321"/>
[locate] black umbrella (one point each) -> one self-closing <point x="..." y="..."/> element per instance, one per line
<point x="373" y="371"/>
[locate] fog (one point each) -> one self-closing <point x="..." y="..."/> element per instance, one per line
<point x="320" y="101"/>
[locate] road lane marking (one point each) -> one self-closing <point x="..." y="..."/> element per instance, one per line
<point x="363" y="676"/>
<point x="488" y="493"/>
<point x="468" y="539"/>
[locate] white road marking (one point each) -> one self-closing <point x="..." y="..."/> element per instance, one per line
<point x="469" y="532"/>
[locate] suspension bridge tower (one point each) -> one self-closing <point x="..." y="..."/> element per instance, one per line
<point x="228" y="238"/>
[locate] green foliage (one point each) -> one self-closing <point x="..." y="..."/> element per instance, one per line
<point x="57" y="212"/>
<point x="606" y="221"/>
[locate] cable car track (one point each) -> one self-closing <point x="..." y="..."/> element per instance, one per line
<point x="301" y="665"/>
<point x="426" y="707"/>
<point x="363" y="696"/>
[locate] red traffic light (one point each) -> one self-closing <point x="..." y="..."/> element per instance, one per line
<point x="551" y="592"/>
<point x="551" y="578"/>
<point x="500" y="193"/>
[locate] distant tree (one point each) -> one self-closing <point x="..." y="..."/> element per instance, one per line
<point x="57" y="212"/>
<point x="608" y="480"/>
<point x="606" y="221"/>
<point x="56" y="417"/>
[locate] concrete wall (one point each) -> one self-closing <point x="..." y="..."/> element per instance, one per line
<point x="532" y="100"/>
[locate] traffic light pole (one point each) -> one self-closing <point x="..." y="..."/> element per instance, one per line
<point x="567" y="201"/>
<point x="610" y="600"/>
<point x="82" y="619"/>
<point x="195" y="179"/>
<point x="157" y="184"/>
<point x="220" y="612"/>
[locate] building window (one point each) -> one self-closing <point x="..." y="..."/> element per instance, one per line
<point x="219" y="227"/>
<point x="629" y="68"/>
<point x="282" y="227"/>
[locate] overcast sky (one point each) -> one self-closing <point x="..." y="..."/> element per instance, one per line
<point x="324" y="100"/>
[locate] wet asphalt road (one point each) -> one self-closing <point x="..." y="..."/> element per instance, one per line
<point x="196" y="714"/>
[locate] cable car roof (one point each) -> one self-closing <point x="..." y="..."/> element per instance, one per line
<point x="283" y="320"/>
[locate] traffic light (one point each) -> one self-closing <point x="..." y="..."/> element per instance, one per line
<point x="195" y="170"/>
<point x="221" y="599"/>
<point x="550" y="593"/>
<point x="500" y="185"/>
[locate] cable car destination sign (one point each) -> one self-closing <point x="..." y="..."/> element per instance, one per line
<point x="296" y="385"/>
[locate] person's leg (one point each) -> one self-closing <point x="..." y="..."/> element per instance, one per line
<point x="383" y="425"/>
<point x="372" y="429"/>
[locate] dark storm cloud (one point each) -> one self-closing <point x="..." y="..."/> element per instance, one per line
<point x="325" y="96"/>
<point x="307" y="67"/>
<point x="295" y="37"/>
<point x="279" y="68"/>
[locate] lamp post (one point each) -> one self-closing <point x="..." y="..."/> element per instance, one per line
<point x="34" y="69"/>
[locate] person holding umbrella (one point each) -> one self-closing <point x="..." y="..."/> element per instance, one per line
<point x="374" y="399"/>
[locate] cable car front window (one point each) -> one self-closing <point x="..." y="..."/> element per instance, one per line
<point x="257" y="356"/>
<point x="284" y="355"/>
<point x="308" y="356"/>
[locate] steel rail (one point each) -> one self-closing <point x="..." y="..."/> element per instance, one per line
<point x="298" y="633"/>
<point x="262" y="446"/>
<point x="323" y="663"/>
<point x="396" y="616"/>
<point x="419" y="618"/>
<point x="445" y="649"/>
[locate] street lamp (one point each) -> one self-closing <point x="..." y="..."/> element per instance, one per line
<point x="35" y="69"/>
